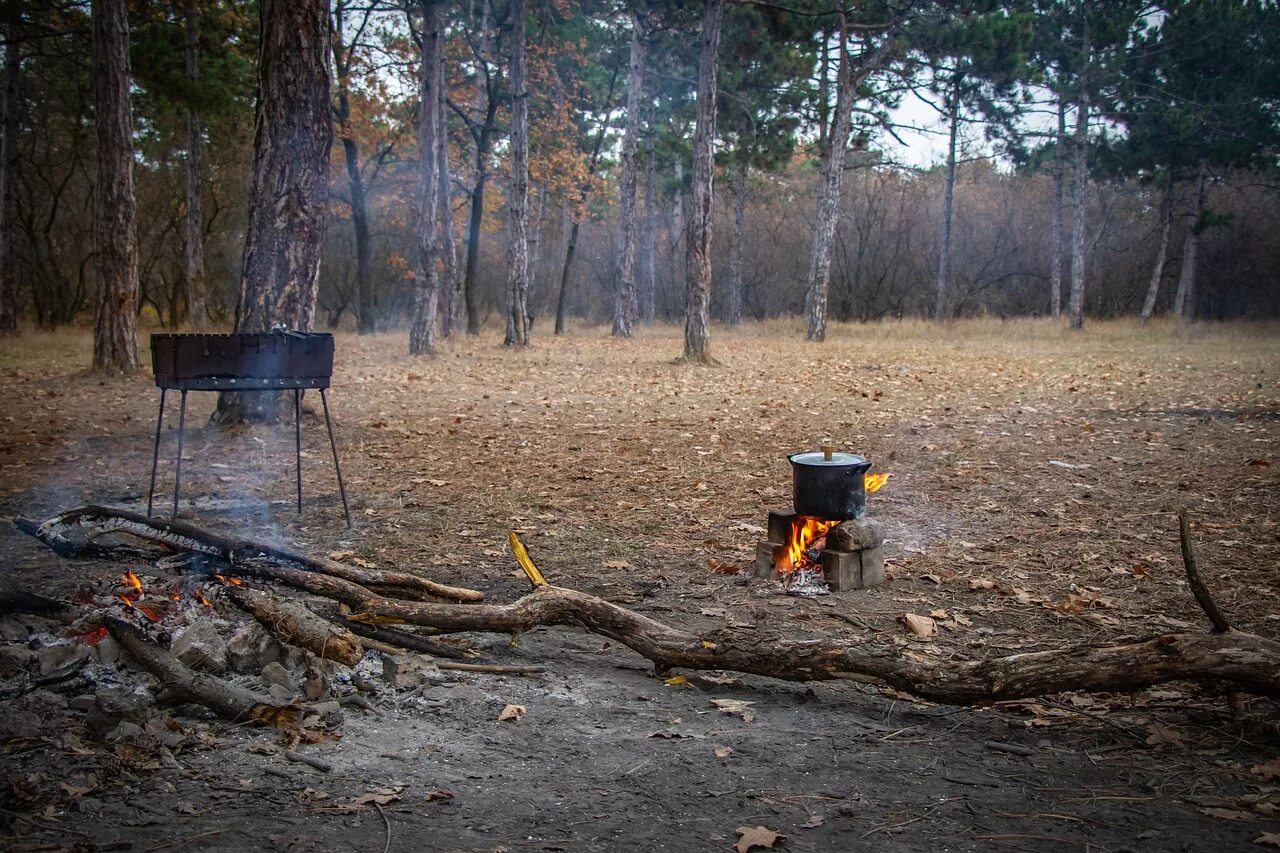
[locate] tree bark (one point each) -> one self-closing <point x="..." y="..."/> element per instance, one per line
<point x="518" y="195"/>
<point x="1157" y="269"/>
<point x="697" y="317"/>
<point x="735" y="243"/>
<point x="426" y="293"/>
<point x="115" y="337"/>
<point x="648" y="278"/>
<point x="831" y="173"/>
<point x="482" y="131"/>
<point x="292" y="623"/>
<point x="1055" y="225"/>
<point x="1079" y="200"/>
<point x="9" y="173"/>
<point x="625" y="303"/>
<point x="1184" y="303"/>
<point x="948" y="206"/>
<point x="280" y="271"/>
<point x="451" y="301"/>
<point x="342" y="58"/>
<point x="193" y="268"/>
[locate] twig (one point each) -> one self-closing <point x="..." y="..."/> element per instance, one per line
<point x="1198" y="589"/>
<point x="184" y="842"/>
<point x="387" y="822"/>
<point x="322" y="766"/>
<point x="490" y="667"/>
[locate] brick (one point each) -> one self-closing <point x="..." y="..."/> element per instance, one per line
<point x="780" y="526"/>
<point x="842" y="570"/>
<point x="769" y="555"/>
<point x="873" y="566"/>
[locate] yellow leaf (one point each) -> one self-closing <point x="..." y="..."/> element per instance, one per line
<point x="522" y="557"/>
<point x="707" y="644"/>
<point x="512" y="713"/>
<point x="676" y="680"/>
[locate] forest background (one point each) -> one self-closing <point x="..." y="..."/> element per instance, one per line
<point x="1121" y="154"/>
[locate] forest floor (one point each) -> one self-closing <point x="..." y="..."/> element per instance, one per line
<point x="1035" y="476"/>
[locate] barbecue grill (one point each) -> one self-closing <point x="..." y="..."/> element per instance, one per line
<point x="280" y="360"/>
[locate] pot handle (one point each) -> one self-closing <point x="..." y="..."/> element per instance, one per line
<point x="828" y="448"/>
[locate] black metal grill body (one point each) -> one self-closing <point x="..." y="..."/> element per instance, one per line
<point x="248" y="362"/>
<point x="282" y="360"/>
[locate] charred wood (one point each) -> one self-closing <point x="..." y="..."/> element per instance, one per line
<point x="292" y="623"/>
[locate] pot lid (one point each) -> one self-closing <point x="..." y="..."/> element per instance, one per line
<point x="818" y="457"/>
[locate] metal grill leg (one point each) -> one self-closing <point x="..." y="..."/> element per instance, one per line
<point x="333" y="445"/>
<point x="155" y="453"/>
<point x="177" y="477"/>
<point x="297" y="440"/>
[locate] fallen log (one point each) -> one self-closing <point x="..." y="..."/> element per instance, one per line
<point x="1247" y="660"/>
<point x="292" y="623"/>
<point x="225" y="699"/>
<point x="91" y="522"/>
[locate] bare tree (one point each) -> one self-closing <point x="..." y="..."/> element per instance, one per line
<point x="697" y="333"/>
<point x="1184" y="303"/>
<point x="1079" y="190"/>
<point x="280" y="270"/>
<point x="193" y="268"/>
<point x="735" y="242"/>
<point x="518" y="197"/>
<point x="948" y="207"/>
<point x="9" y="173"/>
<point x="624" y="311"/>
<point x="1157" y="269"/>
<point x="344" y="53"/>
<point x="426" y="293"/>
<point x="649" y="246"/>
<point x="115" y="338"/>
<point x="1055" y="225"/>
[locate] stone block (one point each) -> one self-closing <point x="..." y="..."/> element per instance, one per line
<point x="841" y="570"/>
<point x="56" y="657"/>
<point x="873" y="566"/>
<point x="14" y="659"/>
<point x="780" y="526"/>
<point x="769" y="556"/>
<point x="274" y="674"/>
<point x="201" y="647"/>
<point x="855" y="535"/>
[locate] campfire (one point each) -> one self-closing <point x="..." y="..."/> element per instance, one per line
<point x="826" y="543"/>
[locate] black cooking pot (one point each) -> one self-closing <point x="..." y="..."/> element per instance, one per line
<point x="830" y="485"/>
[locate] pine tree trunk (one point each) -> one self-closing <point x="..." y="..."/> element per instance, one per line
<point x="1157" y="269"/>
<point x="115" y="339"/>
<point x="735" y="242"/>
<point x="697" y="333"/>
<point x="426" y="292"/>
<point x="9" y="174"/>
<point x="1055" y="226"/>
<point x="485" y="110"/>
<point x="676" y="233"/>
<point x="280" y="271"/>
<point x="831" y="173"/>
<point x="624" y="309"/>
<point x="193" y="273"/>
<point x="948" y="206"/>
<point x="518" y="196"/>
<point x="1184" y="303"/>
<point x="451" y="301"/>
<point x="537" y="222"/>
<point x="648" y="279"/>
<point x="1079" y="199"/>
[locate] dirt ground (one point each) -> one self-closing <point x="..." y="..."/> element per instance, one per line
<point x="1034" y="479"/>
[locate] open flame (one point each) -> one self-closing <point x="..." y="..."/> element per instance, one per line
<point x="874" y="482"/>
<point x="226" y="581"/>
<point x="805" y="532"/>
<point x="200" y="598"/>
<point x="97" y="635"/>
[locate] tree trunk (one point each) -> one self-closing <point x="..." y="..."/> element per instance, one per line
<point x="9" y="174"/>
<point x="735" y="243"/>
<point x="831" y="174"/>
<point x="624" y="310"/>
<point x="193" y="272"/>
<point x="1055" y="226"/>
<point x="473" y="231"/>
<point x="625" y="302"/>
<point x="280" y="272"/>
<point x="115" y="339"/>
<point x="1184" y="304"/>
<point x="1157" y="270"/>
<point x="1079" y="199"/>
<point x="948" y="206"/>
<point x="518" y="196"/>
<point x="426" y="293"/>
<point x="451" y="302"/>
<point x="697" y="333"/>
<point x="537" y="221"/>
<point x="648" y="246"/>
